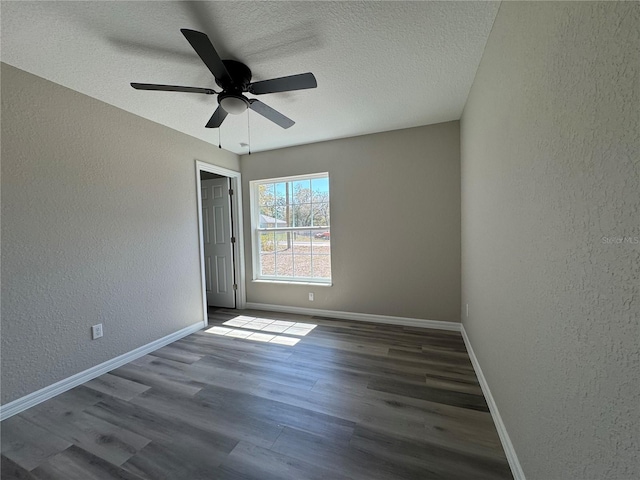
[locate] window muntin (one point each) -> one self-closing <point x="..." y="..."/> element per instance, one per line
<point x="291" y="229"/>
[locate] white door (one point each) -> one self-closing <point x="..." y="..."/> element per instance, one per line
<point x="218" y="246"/>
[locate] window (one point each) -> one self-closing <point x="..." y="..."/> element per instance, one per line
<point x="291" y="233"/>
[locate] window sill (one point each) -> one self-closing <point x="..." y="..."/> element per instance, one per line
<point x="287" y="282"/>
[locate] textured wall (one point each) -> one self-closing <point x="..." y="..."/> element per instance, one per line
<point x="550" y="166"/>
<point x="395" y="222"/>
<point x="99" y="225"/>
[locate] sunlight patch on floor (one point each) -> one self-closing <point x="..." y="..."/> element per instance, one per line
<point x="263" y="330"/>
<point x="273" y="326"/>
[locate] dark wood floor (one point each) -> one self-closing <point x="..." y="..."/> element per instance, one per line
<point x="351" y="400"/>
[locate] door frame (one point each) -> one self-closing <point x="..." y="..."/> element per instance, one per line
<point x="236" y="231"/>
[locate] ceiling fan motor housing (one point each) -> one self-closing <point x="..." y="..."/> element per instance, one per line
<point x="240" y="77"/>
<point x="231" y="98"/>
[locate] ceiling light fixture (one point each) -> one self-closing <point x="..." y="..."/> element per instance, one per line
<point x="233" y="104"/>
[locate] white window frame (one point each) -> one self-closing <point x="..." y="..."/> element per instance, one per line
<point x="256" y="230"/>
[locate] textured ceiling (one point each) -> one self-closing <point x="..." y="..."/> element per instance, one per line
<point x="379" y="65"/>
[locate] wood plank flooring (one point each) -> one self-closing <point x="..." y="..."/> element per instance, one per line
<point x="350" y="400"/>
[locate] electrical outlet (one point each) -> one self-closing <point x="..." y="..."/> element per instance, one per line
<point x="311" y="296"/>
<point x="96" y="331"/>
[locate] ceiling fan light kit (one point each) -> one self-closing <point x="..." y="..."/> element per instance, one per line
<point x="235" y="79"/>
<point x="233" y="104"/>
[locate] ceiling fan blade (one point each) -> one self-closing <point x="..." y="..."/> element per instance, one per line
<point x="204" y="48"/>
<point x="172" y="88"/>
<point x="284" y="84"/>
<point x="217" y="118"/>
<point x="270" y="114"/>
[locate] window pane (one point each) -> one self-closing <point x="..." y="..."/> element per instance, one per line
<point x="288" y="215"/>
<point x="320" y="254"/>
<point x="280" y="205"/>
<point x="266" y="194"/>
<point x="281" y="193"/>
<point x="302" y="191"/>
<point x="320" y="189"/>
<point x="321" y="244"/>
<point x="301" y="242"/>
<point x="267" y="242"/>
<point x="267" y="264"/>
<point x="266" y="219"/>
<point x="320" y="214"/>
<point x="321" y="266"/>
<point x="280" y="214"/>
<point x="302" y="266"/>
<point x="301" y="215"/>
<point x="282" y="245"/>
<point x="267" y="253"/>
<point x="284" y="263"/>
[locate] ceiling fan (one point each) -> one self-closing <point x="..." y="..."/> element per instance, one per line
<point x="235" y="79"/>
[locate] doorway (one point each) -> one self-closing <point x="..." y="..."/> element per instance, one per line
<point x="220" y="232"/>
<point x="217" y="240"/>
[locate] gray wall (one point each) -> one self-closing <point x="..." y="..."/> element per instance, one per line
<point x="99" y="225"/>
<point x="549" y="168"/>
<point x="395" y="222"/>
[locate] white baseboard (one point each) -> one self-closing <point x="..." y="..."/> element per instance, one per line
<point x="363" y="317"/>
<point x="510" y="452"/>
<point x="39" y="396"/>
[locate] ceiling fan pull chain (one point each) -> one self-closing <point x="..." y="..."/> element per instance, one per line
<point x="248" y="132"/>
<point x="219" y="146"/>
